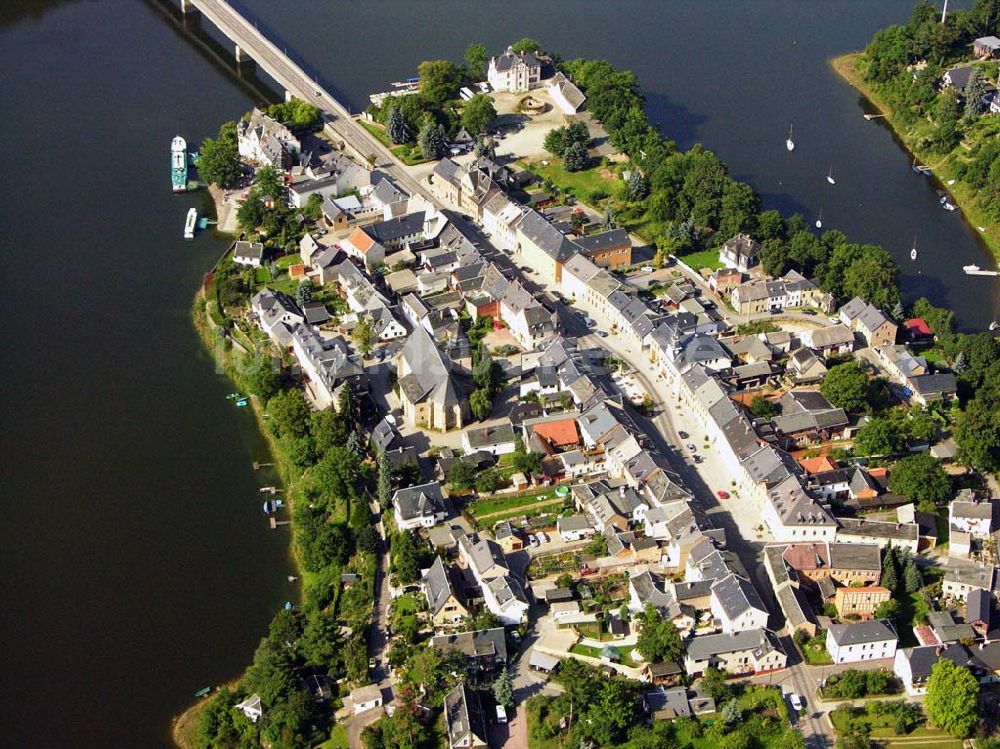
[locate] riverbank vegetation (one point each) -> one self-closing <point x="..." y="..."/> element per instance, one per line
<point x="948" y="127"/>
<point x="329" y="477"/>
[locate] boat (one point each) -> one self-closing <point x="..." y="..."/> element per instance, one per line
<point x="994" y="325"/>
<point x="913" y="252"/>
<point x="829" y="177"/>
<point x="970" y="268"/>
<point x="179" y="164"/>
<point x="235" y="396"/>
<point x="975" y="270"/>
<point x="204" y="691"/>
<point x="242" y="402"/>
<point x="192" y="218"/>
<point x="292" y="578"/>
<point x="948" y="206"/>
<point x="789" y="143"/>
<point x="819" y="219"/>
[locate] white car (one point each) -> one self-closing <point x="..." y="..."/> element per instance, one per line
<point x="542" y="538"/>
<point x="796" y="702"/>
<point x="647" y="269"/>
<point x="532" y="541"/>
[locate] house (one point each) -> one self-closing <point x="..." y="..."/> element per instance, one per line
<point x="807" y="416"/>
<point x="463" y="716"/>
<point x="666" y="704"/>
<point x="861" y="641"/>
<point x="565" y="94"/>
<point x="979" y="611"/>
<point x="507" y="537"/>
<point x="251" y="707"/>
<point x="986" y="47"/>
<point x="366" y="698"/>
<point x="328" y="364"/>
<point x="868" y="320"/>
<point x="918" y="331"/>
<point x="900" y="363"/>
<point x="485" y="650"/>
<point x="496" y="440"/>
<point x="574" y="528"/>
<point x="543" y="246"/>
<point x="665" y="673"/>
<point x="514" y="72"/>
<point x="419" y="506"/>
<point x="805" y="367"/>
<point x="741" y="253"/>
<point x="248" y="253"/>
<point x="737" y="605"/>
<point x="957" y="77"/>
<point x="265" y="141"/>
<point x="277" y="314"/>
<point x="747" y="652"/>
<point x="972" y="515"/>
<point x="929" y="388"/>
<point x="878" y="532"/>
<point x="946" y="630"/>
<point x="484" y="557"/>
<point x="443" y="605"/>
<point x="432" y="393"/>
<point x="833" y="340"/>
<point x="360" y="244"/>
<point x="505" y="597"/>
<point x="724" y="280"/>
<point x="913" y="665"/>
<point x="961" y="578"/>
<point x="860" y="601"/>
<point x="607" y="249"/>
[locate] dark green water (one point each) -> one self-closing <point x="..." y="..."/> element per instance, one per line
<point x="137" y="565"/>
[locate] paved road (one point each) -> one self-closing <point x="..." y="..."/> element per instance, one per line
<point x="280" y="67"/>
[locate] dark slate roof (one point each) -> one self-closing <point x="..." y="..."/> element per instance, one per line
<point x="482" y="642"/>
<point x="979" y="607"/>
<point x="547" y="237"/>
<point x="419" y="501"/>
<point x="736" y="595"/>
<point x="437" y="586"/>
<point x="604" y="240"/>
<point x="387" y="232"/>
<point x="464" y="717"/>
<point x="858" y="633"/>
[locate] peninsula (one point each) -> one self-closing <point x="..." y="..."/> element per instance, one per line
<point x="582" y="446"/>
<point x="933" y="80"/>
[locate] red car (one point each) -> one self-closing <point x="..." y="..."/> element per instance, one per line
<point x="721" y="494"/>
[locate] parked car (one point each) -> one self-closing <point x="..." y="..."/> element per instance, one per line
<point x="808" y="311"/>
<point x="542" y="538"/>
<point x="722" y="495"/>
<point x="683" y="435"/>
<point x="690" y="447"/>
<point x="591" y="322"/>
<point x="647" y="269"/>
<point x="532" y="541"/>
<point x="602" y="333"/>
<point x="697" y="458"/>
<point x="796" y="701"/>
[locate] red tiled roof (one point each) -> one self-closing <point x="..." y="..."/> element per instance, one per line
<point x="559" y="433"/>
<point x="361" y="241"/>
<point x="808" y="556"/>
<point x="818" y="464"/>
<point x="918" y="325"/>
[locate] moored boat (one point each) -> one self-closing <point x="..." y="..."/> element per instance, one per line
<point x="178" y="164"/>
<point x="189" y="224"/>
<point x="789" y="143"/>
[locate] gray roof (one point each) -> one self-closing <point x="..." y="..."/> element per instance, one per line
<point x="703" y="648"/>
<point x="464" y="717"/>
<point x="430" y="370"/>
<point x="419" y="501"/>
<point x="604" y="240"/>
<point x="878" y="529"/>
<point x="482" y="436"/>
<point x="858" y="633"/>
<point x="488" y="558"/>
<point x="573" y="523"/>
<point x="736" y="595"/>
<point x="922" y="659"/>
<point x="979" y="607"/>
<point x="551" y="241"/>
<point x="855" y="556"/>
<point x="477" y="644"/>
<point x="437" y="586"/>
<point x="672" y="700"/>
<point x="934" y="384"/>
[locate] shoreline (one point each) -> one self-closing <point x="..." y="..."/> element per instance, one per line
<point x="184" y="724"/>
<point x="963" y="196"/>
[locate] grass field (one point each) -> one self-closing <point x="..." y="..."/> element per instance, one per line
<point x="815" y="652"/>
<point x="500" y="504"/>
<point x="589" y="185"/>
<point x="881" y="728"/>
<point x="409" y="155"/>
<point x="703" y="259"/>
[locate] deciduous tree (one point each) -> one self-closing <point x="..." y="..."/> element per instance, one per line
<point x="952" y="700"/>
<point x="478" y="113"/>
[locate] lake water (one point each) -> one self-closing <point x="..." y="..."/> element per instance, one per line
<point x="137" y="564"/>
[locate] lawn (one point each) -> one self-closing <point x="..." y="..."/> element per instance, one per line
<point x="815" y="652"/>
<point x="912" y="610"/>
<point x="881" y="727"/>
<point x="704" y="259"/>
<point x="586" y="650"/>
<point x="409" y="155"/>
<point x="499" y="504"/>
<point x="589" y="185"/>
<point x="337" y="740"/>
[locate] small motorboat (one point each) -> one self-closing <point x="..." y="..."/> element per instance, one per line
<point x="242" y="403"/>
<point x="829" y="177"/>
<point x="789" y="143"/>
<point x="994" y="325"/>
<point x="948" y="206"/>
<point x="189" y="224"/>
<point x="970" y="268"/>
<point x="913" y="252"/>
<point x="203" y="692"/>
<point x="292" y="578"/>
<point x="819" y="219"/>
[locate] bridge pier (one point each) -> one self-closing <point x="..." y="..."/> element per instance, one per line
<point x="242" y="56"/>
<point x="188" y="7"/>
<point x="289" y="95"/>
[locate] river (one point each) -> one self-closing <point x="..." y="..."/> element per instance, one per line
<point x="137" y="564"/>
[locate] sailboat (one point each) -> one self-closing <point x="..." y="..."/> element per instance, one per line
<point x="789" y="143"/>
<point x="829" y="176"/>
<point x="819" y="219"/>
<point x="913" y="252"/>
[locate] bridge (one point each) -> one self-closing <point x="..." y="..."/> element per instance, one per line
<point x="252" y="44"/>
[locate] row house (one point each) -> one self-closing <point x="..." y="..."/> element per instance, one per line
<point x="869" y="321"/>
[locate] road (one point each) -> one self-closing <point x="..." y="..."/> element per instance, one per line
<point x="295" y="81"/>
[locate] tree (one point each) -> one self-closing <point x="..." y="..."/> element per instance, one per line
<point x="763" y="408"/>
<point x="887" y="610"/>
<point x="503" y="690"/>
<point x="439" y="80"/>
<point x="947" y="113"/>
<point x="659" y="639"/>
<point x="890" y="572"/>
<point x="576" y="158"/>
<point x="399" y="128"/>
<point x="526" y="45"/>
<point x="289" y="414"/>
<point x="298" y="115"/>
<point x="480" y="403"/>
<point x="774" y="257"/>
<point x="431" y="140"/>
<point x="878" y="437"/>
<point x="921" y="479"/>
<point x="364" y="336"/>
<point x="714" y="683"/>
<point x="912" y="579"/>
<point x="478" y="113"/>
<point x="638" y="185"/>
<point x="383" y="488"/>
<point x="952" y="700"/>
<point x="476" y="58"/>
<point x="731" y="712"/>
<point x="219" y="159"/>
<point x="408" y="557"/>
<point x="264" y="377"/>
<point x="846" y="386"/>
<point x="462" y="475"/>
<point x="488" y="481"/>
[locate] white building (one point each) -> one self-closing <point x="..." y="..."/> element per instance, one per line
<point x="861" y="641"/>
<point x="736" y="604"/>
<point x="514" y="72"/>
<point x="504" y="596"/>
<point x="419" y="506"/>
<point x="366" y="698"/>
<point x="565" y="94"/>
<point x="971" y="516"/>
